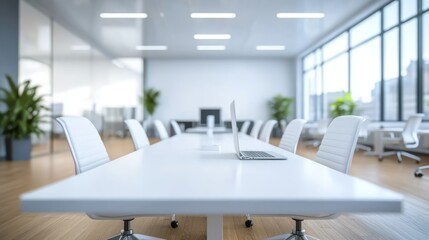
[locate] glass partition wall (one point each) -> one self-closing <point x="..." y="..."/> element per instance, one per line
<point x="383" y="60"/>
<point x="76" y="79"/>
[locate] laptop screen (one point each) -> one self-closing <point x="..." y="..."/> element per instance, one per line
<point x="234" y="128"/>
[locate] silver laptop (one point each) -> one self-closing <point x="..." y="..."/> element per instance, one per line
<point x="249" y="155"/>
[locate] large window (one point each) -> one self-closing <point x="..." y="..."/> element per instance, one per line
<point x="426" y="63"/>
<point x="391" y="73"/>
<point x="365" y="78"/>
<point x="390" y="15"/>
<point x="409" y="68"/>
<point x="366" y="29"/>
<point x="382" y="52"/>
<point x="408" y="9"/>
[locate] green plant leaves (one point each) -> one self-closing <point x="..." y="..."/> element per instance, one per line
<point x="150" y="100"/>
<point x="343" y="106"/>
<point x="23" y="110"/>
<point x="280" y="107"/>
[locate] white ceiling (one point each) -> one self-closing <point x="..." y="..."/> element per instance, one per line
<point x="169" y="23"/>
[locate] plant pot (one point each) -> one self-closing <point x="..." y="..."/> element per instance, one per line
<point x="18" y="149"/>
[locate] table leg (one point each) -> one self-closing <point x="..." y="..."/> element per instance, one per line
<point x="214" y="227"/>
<point x="378" y="145"/>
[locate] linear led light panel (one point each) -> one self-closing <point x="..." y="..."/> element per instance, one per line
<point x="152" y="48"/>
<point x="211" y="47"/>
<point x="80" y="47"/>
<point x="212" y="36"/>
<point x="212" y="15"/>
<point x="123" y="15"/>
<point x="300" y="15"/>
<point x="270" y="47"/>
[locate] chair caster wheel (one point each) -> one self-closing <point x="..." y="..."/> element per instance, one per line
<point x="174" y="224"/>
<point x="399" y="161"/>
<point x="418" y="162"/>
<point x="418" y="174"/>
<point x="380" y="159"/>
<point x="248" y="223"/>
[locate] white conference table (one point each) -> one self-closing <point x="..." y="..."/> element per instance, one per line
<point x="175" y="176"/>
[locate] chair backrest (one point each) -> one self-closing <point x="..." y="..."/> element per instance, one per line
<point x="245" y="127"/>
<point x="85" y="144"/>
<point x="291" y="135"/>
<point x="256" y="128"/>
<point x="138" y="134"/>
<point x="339" y="143"/>
<point x="161" y="129"/>
<point x="176" y="127"/>
<point x="266" y="130"/>
<point x="409" y="134"/>
<point x="363" y="132"/>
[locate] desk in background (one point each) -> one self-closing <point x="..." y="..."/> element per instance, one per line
<point x="212" y="184"/>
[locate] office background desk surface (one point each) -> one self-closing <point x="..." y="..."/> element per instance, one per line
<point x="176" y="176"/>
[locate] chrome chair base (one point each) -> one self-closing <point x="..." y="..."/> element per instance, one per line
<point x="128" y="234"/>
<point x="133" y="237"/>
<point x="297" y="234"/>
<point x="418" y="172"/>
<point x="399" y="155"/>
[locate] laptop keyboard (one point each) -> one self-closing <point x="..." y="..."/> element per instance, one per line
<point x="256" y="154"/>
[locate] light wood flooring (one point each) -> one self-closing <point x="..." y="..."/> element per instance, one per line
<point x="21" y="176"/>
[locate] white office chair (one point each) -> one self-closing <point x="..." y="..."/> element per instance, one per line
<point x="336" y="152"/>
<point x="316" y="133"/>
<point x="288" y="142"/>
<point x="88" y="152"/>
<point x="409" y="138"/>
<point x="266" y="131"/>
<point x="140" y="140"/>
<point x="245" y="127"/>
<point x="176" y="127"/>
<point x="363" y="135"/>
<point x="138" y="134"/>
<point x="256" y="129"/>
<point x="161" y="129"/>
<point x="291" y="135"/>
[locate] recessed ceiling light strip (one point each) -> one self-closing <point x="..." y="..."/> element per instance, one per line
<point x="211" y="47"/>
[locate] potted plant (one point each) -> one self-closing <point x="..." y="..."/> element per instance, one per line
<point x="21" y="118"/>
<point x="280" y="110"/>
<point x="150" y="102"/>
<point x="342" y="106"/>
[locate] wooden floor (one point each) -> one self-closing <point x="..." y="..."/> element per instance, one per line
<point x="19" y="177"/>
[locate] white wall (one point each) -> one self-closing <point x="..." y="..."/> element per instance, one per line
<point x="188" y="85"/>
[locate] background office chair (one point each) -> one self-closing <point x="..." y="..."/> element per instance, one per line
<point x="291" y="135"/>
<point x="140" y="140"/>
<point x="138" y="134"/>
<point x="176" y="127"/>
<point x="316" y="133"/>
<point x="266" y="131"/>
<point x="363" y="135"/>
<point x="288" y="142"/>
<point x="256" y="129"/>
<point x="336" y="152"/>
<point x="88" y="152"/>
<point x="161" y="129"/>
<point x="245" y="127"/>
<point x="408" y="138"/>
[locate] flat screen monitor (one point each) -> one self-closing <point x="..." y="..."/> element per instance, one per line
<point x="204" y="112"/>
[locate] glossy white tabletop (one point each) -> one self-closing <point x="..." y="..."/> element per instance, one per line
<point x="176" y="176"/>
